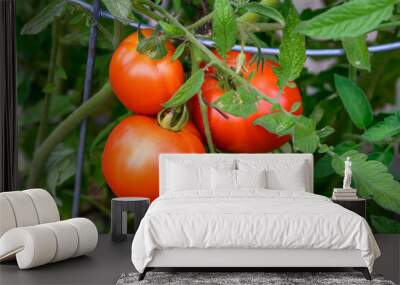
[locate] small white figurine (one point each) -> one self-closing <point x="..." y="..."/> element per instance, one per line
<point x="347" y="174"/>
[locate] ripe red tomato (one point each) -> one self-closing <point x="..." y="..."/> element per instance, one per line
<point x="141" y="83"/>
<point x="236" y="134"/>
<point x="130" y="156"/>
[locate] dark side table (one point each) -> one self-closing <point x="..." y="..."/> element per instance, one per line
<point x="119" y="208"/>
<point x="358" y="205"/>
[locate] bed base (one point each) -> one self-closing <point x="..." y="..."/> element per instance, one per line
<point x="244" y="259"/>
<point x="363" y="270"/>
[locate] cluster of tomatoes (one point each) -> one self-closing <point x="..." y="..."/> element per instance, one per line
<point x="143" y="85"/>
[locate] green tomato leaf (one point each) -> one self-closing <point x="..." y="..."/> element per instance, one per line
<point x="49" y="87"/>
<point x="351" y="19"/>
<point x="295" y="107"/>
<point x="259" y="43"/>
<point x="120" y="9"/>
<point x="357" y="52"/>
<point x="278" y="123"/>
<point x="251" y="75"/>
<point x="372" y="179"/>
<point x="305" y="137"/>
<point x="325" y="132"/>
<point x="385" y="225"/>
<point x="171" y="29"/>
<point x="60" y="106"/>
<point x="239" y="103"/>
<point x="60" y="167"/>
<point x="179" y="51"/>
<point x="383" y="130"/>
<point x="323" y="148"/>
<point x="224" y="26"/>
<point x="60" y="72"/>
<point x="323" y="167"/>
<point x="355" y="102"/>
<point x="44" y="18"/>
<point x="187" y="90"/>
<point x="386" y="156"/>
<point x="265" y="11"/>
<point x="292" y="51"/>
<point x="275" y="107"/>
<point x="345" y="147"/>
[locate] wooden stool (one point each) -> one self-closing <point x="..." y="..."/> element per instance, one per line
<point x="119" y="208"/>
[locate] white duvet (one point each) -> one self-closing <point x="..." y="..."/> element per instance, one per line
<point x="250" y="219"/>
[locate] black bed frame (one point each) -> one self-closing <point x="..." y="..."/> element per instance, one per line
<point x="363" y="270"/>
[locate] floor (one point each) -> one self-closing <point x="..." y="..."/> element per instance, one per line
<point x="111" y="259"/>
<point x="103" y="266"/>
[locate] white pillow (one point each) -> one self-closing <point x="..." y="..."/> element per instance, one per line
<point x="294" y="180"/>
<point x="251" y="178"/>
<point x="223" y="179"/>
<point x="193" y="174"/>
<point x="281" y="174"/>
<point x="227" y="179"/>
<point x="181" y="177"/>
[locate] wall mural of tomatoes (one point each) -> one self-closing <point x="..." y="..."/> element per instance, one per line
<point x="219" y="76"/>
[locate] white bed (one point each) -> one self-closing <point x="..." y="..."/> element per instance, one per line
<point x="280" y="225"/>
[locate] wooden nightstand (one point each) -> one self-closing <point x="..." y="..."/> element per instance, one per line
<point x="358" y="205"/>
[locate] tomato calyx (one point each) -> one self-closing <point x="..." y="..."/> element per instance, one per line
<point x="241" y="64"/>
<point x="152" y="46"/>
<point x="173" y="119"/>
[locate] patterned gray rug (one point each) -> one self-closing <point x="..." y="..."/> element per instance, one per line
<point x="244" y="278"/>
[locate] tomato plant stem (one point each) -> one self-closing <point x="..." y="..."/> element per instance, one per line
<point x="258" y="27"/>
<point x="352" y="73"/>
<point x="49" y="89"/>
<point x="140" y="9"/>
<point x="101" y="98"/>
<point x="206" y="123"/>
<point x="58" y="79"/>
<point x="203" y="107"/>
<point x="207" y="18"/>
<point x="331" y="153"/>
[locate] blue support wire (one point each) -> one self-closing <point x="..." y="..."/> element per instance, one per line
<point x="252" y="49"/>
<point x="95" y="10"/>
